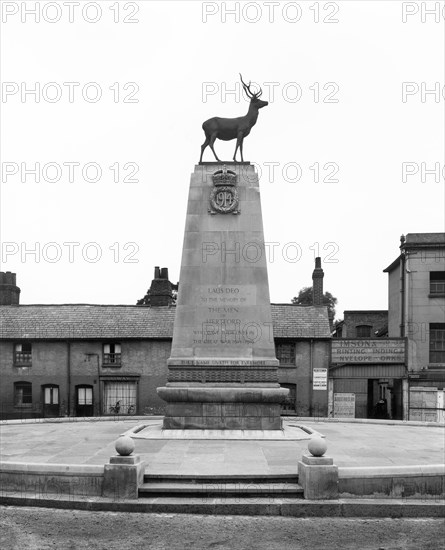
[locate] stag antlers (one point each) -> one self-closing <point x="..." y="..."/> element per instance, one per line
<point x="248" y="91"/>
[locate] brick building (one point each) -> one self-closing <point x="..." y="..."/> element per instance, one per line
<point x="89" y="360"/>
<point x="391" y="364"/>
<point x="362" y="324"/>
<point x="416" y="299"/>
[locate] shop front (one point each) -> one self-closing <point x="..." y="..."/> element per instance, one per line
<point x="367" y="378"/>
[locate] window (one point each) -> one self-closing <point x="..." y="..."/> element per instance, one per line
<point x="363" y="331"/>
<point x="22" y="354"/>
<point x="23" y="394"/>
<point x="286" y="354"/>
<point x="120" y="397"/>
<point x="437" y="342"/>
<point x="112" y="355"/>
<point x="437" y="282"/>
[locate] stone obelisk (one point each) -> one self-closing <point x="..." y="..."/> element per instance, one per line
<point x="223" y="372"/>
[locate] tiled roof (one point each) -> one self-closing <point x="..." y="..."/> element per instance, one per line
<point x="83" y="321"/>
<point x="425" y="238"/>
<point x="291" y="321"/>
<point x="78" y="321"/>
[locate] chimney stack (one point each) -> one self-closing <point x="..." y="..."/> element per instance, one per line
<point x="317" y="283"/>
<point x="9" y="291"/>
<point x="161" y="288"/>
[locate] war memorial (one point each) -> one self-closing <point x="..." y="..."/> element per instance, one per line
<point x="223" y="446"/>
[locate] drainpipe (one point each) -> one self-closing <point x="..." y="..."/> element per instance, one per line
<point x="98" y="385"/>
<point x="99" y="389"/>
<point x="402" y="288"/>
<point x="311" y="365"/>
<point x="68" y="361"/>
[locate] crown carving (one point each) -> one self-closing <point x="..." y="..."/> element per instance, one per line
<point x="224" y="177"/>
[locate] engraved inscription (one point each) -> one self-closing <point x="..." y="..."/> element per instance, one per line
<point x="223" y="318"/>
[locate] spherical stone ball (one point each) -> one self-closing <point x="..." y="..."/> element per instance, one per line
<point x="317" y="446"/>
<point x="124" y="445"/>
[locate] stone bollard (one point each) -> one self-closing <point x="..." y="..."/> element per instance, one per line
<point x="125" y="473"/>
<point x="317" y="474"/>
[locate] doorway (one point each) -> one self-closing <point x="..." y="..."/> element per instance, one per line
<point x="84" y="401"/>
<point x="385" y="398"/>
<point x="51" y="406"/>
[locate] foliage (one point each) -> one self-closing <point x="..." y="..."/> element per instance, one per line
<point x="304" y="298"/>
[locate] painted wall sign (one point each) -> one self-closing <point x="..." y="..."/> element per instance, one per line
<point x="384" y="350"/>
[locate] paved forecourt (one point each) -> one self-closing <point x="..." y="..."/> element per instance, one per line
<point x="92" y="443"/>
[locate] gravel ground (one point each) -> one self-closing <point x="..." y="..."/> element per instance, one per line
<point x="42" y="529"/>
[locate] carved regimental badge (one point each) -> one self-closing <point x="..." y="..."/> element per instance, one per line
<point x="224" y="197"/>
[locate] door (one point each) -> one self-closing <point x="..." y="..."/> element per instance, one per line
<point x="397" y="400"/>
<point x="50" y="400"/>
<point x="84" y="401"/>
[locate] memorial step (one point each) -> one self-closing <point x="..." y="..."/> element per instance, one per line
<point x="221" y="486"/>
<point x="211" y="478"/>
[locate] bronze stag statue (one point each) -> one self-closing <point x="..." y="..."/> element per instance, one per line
<point x="233" y="128"/>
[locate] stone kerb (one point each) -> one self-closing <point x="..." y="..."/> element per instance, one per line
<point x="51" y="481"/>
<point x="394" y="482"/>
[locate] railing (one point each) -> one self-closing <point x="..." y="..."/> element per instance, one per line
<point x="111" y="360"/>
<point x="22" y="358"/>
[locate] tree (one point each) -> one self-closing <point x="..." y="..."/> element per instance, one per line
<point x="304" y="298"/>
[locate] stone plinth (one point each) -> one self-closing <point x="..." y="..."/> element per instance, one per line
<point x="222" y="372"/>
<point x="223" y="408"/>
<point x="319" y="477"/>
<point x="123" y="477"/>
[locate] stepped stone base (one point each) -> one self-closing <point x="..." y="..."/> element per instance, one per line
<point x="222" y="408"/>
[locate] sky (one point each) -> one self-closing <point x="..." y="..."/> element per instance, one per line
<point x="350" y="149"/>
